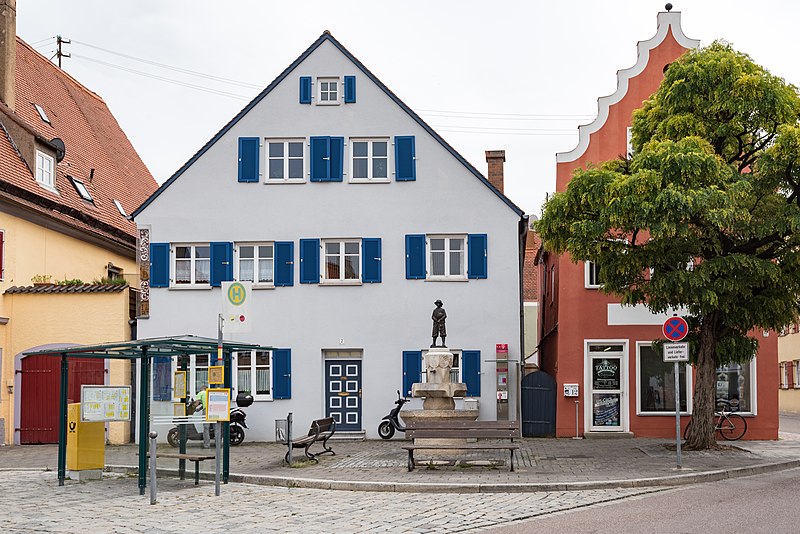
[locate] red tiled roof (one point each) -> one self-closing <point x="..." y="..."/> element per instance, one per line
<point x="93" y="140"/>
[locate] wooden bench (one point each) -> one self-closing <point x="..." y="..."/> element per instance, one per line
<point x="462" y="430"/>
<point x="196" y="458"/>
<point x="321" y="429"/>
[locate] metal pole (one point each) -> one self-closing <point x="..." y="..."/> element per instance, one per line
<point x="218" y="459"/>
<point x="289" y="435"/>
<point x="153" y="488"/>
<point x="216" y="358"/>
<point x="577" y="420"/>
<point x="62" y="421"/>
<point x="184" y="362"/>
<point x="226" y="427"/>
<point x="144" y="417"/>
<point x="677" y="415"/>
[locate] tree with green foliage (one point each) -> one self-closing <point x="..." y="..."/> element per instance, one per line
<point x="704" y="215"/>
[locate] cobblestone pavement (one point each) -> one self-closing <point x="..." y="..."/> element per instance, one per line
<point x="33" y="502"/>
<point x="539" y="461"/>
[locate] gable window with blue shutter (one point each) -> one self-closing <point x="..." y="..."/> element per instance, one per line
<point x="159" y="264"/>
<point x="305" y="89"/>
<point x="405" y="159"/>
<point x="327" y="159"/>
<point x="477" y="247"/>
<point x="249" y="150"/>
<point x="349" y="89"/>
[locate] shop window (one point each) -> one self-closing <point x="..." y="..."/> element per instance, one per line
<point x="735" y="385"/>
<point x="657" y="383"/>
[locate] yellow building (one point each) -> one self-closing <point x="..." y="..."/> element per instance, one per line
<point x="68" y="178"/>
<point x="789" y="369"/>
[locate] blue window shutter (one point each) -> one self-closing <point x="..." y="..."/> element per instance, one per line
<point x="412" y="370"/>
<point x="248" y="159"/>
<point x="282" y="373"/>
<point x="371" y="260"/>
<point x="320" y="159"/>
<point x="162" y="378"/>
<point x="309" y="261"/>
<point x="477" y="245"/>
<point x="336" y="145"/>
<point x="415" y="256"/>
<point x="284" y="263"/>
<point x="471" y="372"/>
<point x="305" y="89"/>
<point x="349" y="89"/>
<point x="405" y="167"/>
<point x="159" y="264"/>
<point x="221" y="263"/>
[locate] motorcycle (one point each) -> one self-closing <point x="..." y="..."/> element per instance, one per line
<point x="391" y="422"/>
<point x="237" y="423"/>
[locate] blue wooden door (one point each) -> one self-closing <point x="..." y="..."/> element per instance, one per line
<point x="343" y="393"/>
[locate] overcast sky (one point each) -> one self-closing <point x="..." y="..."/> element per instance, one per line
<point x="514" y="75"/>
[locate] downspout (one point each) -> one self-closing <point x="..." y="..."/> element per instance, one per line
<point x="523" y="237"/>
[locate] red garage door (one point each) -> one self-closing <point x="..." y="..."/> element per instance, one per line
<point x="41" y="389"/>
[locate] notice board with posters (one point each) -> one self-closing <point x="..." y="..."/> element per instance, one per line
<point x="105" y="403"/>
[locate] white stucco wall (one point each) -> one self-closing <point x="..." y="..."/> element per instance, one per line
<point x="207" y="204"/>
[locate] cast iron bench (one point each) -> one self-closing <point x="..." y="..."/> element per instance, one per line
<point x="196" y="458"/>
<point x="462" y="430"/>
<point x="321" y="429"/>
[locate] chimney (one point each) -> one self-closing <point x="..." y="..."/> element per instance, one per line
<point x="8" y="51"/>
<point x="495" y="159"/>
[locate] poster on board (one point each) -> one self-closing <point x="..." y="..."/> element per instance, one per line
<point x="105" y="403"/>
<point x="218" y="405"/>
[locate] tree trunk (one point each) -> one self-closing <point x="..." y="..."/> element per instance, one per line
<point x="701" y="434"/>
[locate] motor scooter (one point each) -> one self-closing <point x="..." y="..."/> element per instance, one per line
<point x="391" y="422"/>
<point x="237" y="422"/>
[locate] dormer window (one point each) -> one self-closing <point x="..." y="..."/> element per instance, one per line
<point x="80" y="187"/>
<point x="328" y="90"/>
<point x="45" y="173"/>
<point x="42" y="114"/>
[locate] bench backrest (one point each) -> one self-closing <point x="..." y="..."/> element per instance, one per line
<point x="463" y="429"/>
<point x="319" y="426"/>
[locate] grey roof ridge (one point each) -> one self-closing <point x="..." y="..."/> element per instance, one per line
<point x="326" y="36"/>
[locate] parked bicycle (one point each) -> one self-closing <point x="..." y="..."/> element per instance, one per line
<point x="729" y="424"/>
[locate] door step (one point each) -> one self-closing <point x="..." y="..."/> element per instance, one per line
<point x="608" y="435"/>
<point x="352" y="435"/>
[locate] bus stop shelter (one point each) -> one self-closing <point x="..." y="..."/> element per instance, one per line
<point x="143" y="351"/>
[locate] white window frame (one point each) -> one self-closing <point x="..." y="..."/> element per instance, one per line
<point x="339" y="89"/>
<point x="370" y="156"/>
<point x="45" y="171"/>
<point x="456" y="372"/>
<point x="688" y="385"/>
<point x="120" y="208"/>
<point x="256" y="258"/>
<point x="429" y="259"/>
<point x="303" y="142"/>
<point x="784" y="376"/>
<point x="753" y="389"/>
<point x="589" y="276"/>
<point x="625" y="385"/>
<point x="193" y="265"/>
<point x="42" y="114"/>
<point x="324" y="280"/>
<point x="238" y="388"/>
<point x="796" y="371"/>
<point x="82" y="190"/>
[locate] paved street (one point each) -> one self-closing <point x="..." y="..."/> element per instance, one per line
<point x="33" y="502"/>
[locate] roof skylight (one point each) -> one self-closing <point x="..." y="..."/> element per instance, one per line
<point x="120" y="208"/>
<point x="42" y="114"/>
<point x="80" y="187"/>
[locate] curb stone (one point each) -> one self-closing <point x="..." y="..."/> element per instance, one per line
<point x="516" y="487"/>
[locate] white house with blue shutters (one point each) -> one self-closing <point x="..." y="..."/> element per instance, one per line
<point x="350" y="216"/>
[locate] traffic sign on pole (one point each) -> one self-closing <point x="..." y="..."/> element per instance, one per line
<point x="675" y="328"/>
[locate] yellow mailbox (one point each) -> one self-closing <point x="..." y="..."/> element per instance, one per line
<point x="86" y="442"/>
